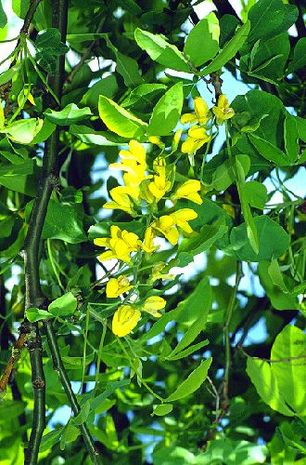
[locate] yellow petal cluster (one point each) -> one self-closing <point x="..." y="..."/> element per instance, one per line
<point x="157" y="188"/>
<point x="196" y="138"/>
<point x="167" y="224"/>
<point x="121" y="244"/>
<point x="200" y="115"/>
<point x="122" y="199"/>
<point x="125" y="319"/>
<point x="189" y="190"/>
<point x="223" y="111"/>
<point x="117" y="286"/>
<point x="153" y="305"/>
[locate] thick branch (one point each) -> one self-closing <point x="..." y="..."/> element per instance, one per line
<point x="34" y="296"/>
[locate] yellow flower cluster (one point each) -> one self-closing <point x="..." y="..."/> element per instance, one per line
<point x="197" y="134"/>
<point x="145" y="188"/>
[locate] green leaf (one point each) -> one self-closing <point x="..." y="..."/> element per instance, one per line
<point x="162" y="409"/>
<point x="35" y="314"/>
<point x="142" y="94"/>
<point x="7" y="75"/>
<point x="167" y="111"/>
<point x="269" y="151"/>
<point x="90" y="136"/>
<point x="299" y="56"/>
<point x="272" y="238"/>
<point x="229" y="452"/>
<point x="157" y="47"/>
<point x="70" y="434"/>
<point x="107" y="87"/>
<point x="269" y="18"/>
<point x="229" y="51"/>
<point x="69" y="115"/>
<point x="256" y="194"/>
<point x="20" y="7"/>
<point x="267" y="58"/>
<point x="200" y="242"/>
<point x="64" y="222"/>
<point x="290" y="347"/>
<point x="173" y="456"/>
<point x="64" y="305"/>
<point x="119" y="120"/>
<point x="291" y="137"/>
<point x="48" y="47"/>
<point x="128" y="68"/>
<point x="50" y="439"/>
<point x="191" y="334"/>
<point x="46" y="130"/>
<point x="272" y="281"/>
<point x="202" y="42"/>
<point x="11" y="170"/>
<point x="3" y="18"/>
<point x="265" y="383"/>
<point x="192" y="383"/>
<point x="23" y="131"/>
<point x="186" y="352"/>
<point x="280" y="383"/>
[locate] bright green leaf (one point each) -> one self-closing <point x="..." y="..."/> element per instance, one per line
<point x="229" y="51"/>
<point x="192" y="383"/>
<point x="160" y="50"/>
<point x="202" y="42"/>
<point x="162" y="409"/>
<point x="119" y="120"/>
<point x="167" y="111"/>
<point x="64" y="305"/>
<point x="69" y="115"/>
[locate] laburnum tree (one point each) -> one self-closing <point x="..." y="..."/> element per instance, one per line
<point x="152" y="232"/>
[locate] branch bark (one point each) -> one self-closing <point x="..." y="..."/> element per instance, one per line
<point x="33" y="293"/>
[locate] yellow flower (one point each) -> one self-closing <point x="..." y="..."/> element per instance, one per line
<point x="121" y="196"/>
<point x="148" y="243"/>
<point x="167" y="227"/>
<point x="223" y="111"/>
<point x="121" y="244"/>
<point x="125" y="319"/>
<point x="167" y="224"/>
<point x="156" y="141"/>
<point x="176" y="139"/>
<point x="160" y="185"/>
<point x="201" y="114"/>
<point x="136" y="153"/>
<point x="189" y="190"/>
<point x="181" y="218"/>
<point x="117" y="286"/>
<point x="196" y="138"/>
<point x="153" y="305"/>
<point x="133" y="163"/>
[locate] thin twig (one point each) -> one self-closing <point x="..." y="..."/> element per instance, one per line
<point x="59" y="367"/>
<point x="228" y="317"/>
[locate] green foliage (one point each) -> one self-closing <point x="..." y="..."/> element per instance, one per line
<point x="163" y="224"/>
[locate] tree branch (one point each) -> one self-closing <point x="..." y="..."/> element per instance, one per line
<point x="34" y="296"/>
<point x="60" y="369"/>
